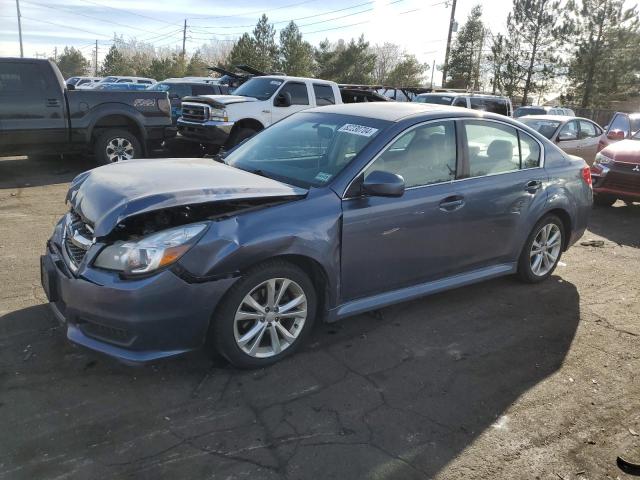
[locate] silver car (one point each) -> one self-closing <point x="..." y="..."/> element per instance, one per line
<point x="575" y="135"/>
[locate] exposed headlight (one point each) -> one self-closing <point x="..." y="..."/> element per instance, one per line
<point x="150" y="253"/>
<point x="602" y="159"/>
<point x="219" y="115"/>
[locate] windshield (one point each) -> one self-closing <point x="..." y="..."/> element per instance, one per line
<point x="260" y="88"/>
<point x="522" y="111"/>
<point x="544" y="127"/>
<point x="437" y="99"/>
<point x="307" y="149"/>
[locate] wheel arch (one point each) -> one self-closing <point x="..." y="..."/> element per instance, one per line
<point x="121" y="120"/>
<point x="251" y="123"/>
<point x="567" y="224"/>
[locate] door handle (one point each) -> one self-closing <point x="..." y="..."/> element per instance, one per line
<point x="53" y="102"/>
<point x="533" y="186"/>
<point x="266" y="111"/>
<point x="452" y="203"/>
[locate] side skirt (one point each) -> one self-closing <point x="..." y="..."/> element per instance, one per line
<point x="380" y="300"/>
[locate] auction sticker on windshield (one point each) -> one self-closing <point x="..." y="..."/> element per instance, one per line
<point x="358" y="129"/>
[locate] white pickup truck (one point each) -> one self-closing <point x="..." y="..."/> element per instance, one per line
<point x="226" y="120"/>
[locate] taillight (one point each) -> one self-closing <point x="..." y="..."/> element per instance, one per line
<point x="586" y="176"/>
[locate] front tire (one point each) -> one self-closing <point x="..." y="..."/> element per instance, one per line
<point x="115" y="145"/>
<point x="542" y="250"/>
<point x="265" y="316"/>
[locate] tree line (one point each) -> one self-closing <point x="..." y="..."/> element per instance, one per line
<point x="586" y="47"/>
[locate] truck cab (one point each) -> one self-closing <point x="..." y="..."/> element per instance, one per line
<point x="226" y="120"/>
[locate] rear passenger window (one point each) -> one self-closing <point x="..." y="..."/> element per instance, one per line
<point x="324" y="95"/>
<point x="422" y="156"/>
<point x="460" y="102"/>
<point x="298" y="92"/>
<point x="493" y="148"/>
<point x="18" y="78"/>
<point x="529" y="151"/>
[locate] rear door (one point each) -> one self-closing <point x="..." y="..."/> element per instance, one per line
<point x="32" y="109"/>
<point x="503" y="181"/>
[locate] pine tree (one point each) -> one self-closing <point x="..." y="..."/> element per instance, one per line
<point x="407" y="73"/>
<point x="605" y="64"/>
<point x="351" y="62"/>
<point x="296" y="55"/>
<point x="72" y="63"/>
<point x="265" y="44"/>
<point x="463" y="71"/>
<point x="196" y="67"/>
<point x="115" y="64"/>
<point x="536" y="24"/>
<point x="243" y="52"/>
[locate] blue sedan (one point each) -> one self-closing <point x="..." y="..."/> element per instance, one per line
<point x="328" y="213"/>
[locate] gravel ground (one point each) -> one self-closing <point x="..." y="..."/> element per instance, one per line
<point x="496" y="380"/>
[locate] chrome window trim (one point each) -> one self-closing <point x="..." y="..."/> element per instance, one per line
<point x="394" y="139"/>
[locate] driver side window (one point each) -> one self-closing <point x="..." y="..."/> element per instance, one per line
<point x="422" y="156"/>
<point x="569" y="131"/>
<point x="298" y="92"/>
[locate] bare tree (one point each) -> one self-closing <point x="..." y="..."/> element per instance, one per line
<point x="388" y="56"/>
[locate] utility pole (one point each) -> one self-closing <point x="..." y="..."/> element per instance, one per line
<point x="184" y="38"/>
<point x="55" y="54"/>
<point x="452" y="21"/>
<point x="95" y="61"/>
<point x="433" y="70"/>
<point x="19" y="27"/>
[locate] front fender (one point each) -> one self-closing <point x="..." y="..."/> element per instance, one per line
<point x="308" y="228"/>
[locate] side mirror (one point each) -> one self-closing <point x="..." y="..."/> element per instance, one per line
<point x="71" y="87"/>
<point x="383" y="184"/>
<point x="283" y="100"/>
<point x="616" y="135"/>
<point x="567" y="136"/>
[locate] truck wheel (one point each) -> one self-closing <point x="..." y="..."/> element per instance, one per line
<point x="115" y="145"/>
<point x="239" y="136"/>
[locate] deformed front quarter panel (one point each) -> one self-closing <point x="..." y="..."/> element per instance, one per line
<point x="308" y="228"/>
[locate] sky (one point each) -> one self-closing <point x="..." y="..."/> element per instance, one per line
<point x="419" y="26"/>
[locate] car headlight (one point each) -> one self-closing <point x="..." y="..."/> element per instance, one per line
<point x="219" y="115"/>
<point x="603" y="159"/>
<point x="150" y="253"/>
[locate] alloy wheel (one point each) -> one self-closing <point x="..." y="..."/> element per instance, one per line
<point x="119" y="149"/>
<point x="545" y="249"/>
<point x="270" y="318"/>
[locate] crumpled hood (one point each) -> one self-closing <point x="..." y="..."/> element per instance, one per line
<point x="106" y="195"/>
<point x="219" y="101"/>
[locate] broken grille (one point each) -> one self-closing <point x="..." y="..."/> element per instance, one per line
<point x="78" y="239"/>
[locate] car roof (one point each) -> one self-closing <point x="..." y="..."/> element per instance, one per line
<point x="557" y="118"/>
<point x="460" y="94"/>
<point x="396" y="111"/>
<point x="299" y="79"/>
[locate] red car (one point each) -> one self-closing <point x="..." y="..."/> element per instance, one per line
<point x="616" y="172"/>
<point x="622" y="125"/>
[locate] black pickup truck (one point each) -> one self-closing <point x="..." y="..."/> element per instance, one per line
<point x="39" y="114"/>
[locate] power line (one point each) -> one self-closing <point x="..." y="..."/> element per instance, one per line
<point x="60" y="25"/>
<point x="254" y="12"/>
<point x="129" y="12"/>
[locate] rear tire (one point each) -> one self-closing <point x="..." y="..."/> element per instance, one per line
<point x="116" y="144"/>
<point x="542" y="250"/>
<point x="246" y="320"/>
<point x="601" y="200"/>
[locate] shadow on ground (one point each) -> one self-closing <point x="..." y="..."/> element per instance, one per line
<point x="393" y="396"/>
<point x="20" y="172"/>
<point x="619" y="224"/>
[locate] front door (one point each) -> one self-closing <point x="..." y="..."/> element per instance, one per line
<point x="299" y="100"/>
<point x="589" y="137"/>
<point x="390" y="243"/>
<point x="568" y="138"/>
